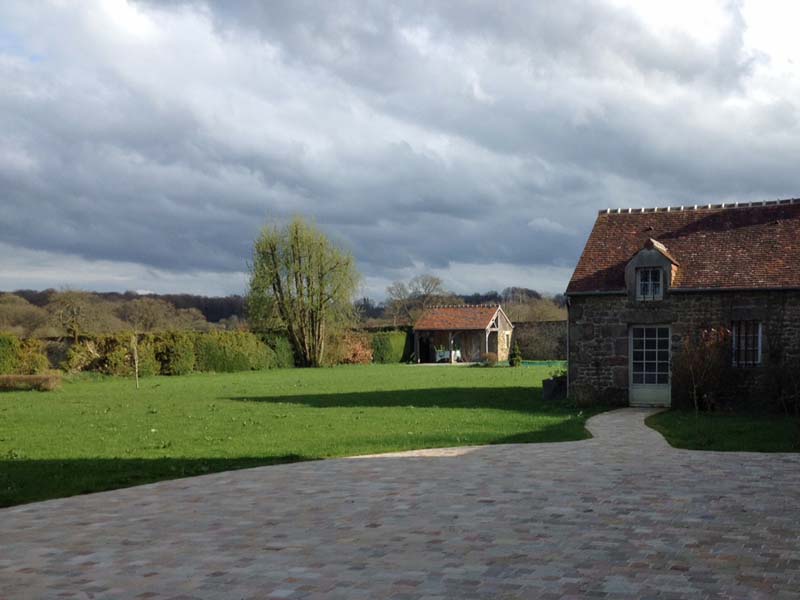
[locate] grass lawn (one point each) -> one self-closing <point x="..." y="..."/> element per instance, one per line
<point x="102" y="433"/>
<point x="728" y="432"/>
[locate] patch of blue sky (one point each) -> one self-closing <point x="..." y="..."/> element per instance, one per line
<point x="11" y="43"/>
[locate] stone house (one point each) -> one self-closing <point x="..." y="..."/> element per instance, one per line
<point x="462" y="333"/>
<point x="648" y="278"/>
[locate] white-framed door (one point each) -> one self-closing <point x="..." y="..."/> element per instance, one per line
<point x="650" y="365"/>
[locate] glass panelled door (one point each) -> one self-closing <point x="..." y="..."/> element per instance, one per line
<point x="650" y="365"/>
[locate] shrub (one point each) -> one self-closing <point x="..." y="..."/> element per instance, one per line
<point x="32" y="358"/>
<point x="9" y="353"/>
<point x="701" y="369"/>
<point x="282" y="348"/>
<point x="82" y="356"/>
<point x="43" y="382"/>
<point x="390" y="347"/>
<point x="489" y="358"/>
<point x="117" y="357"/>
<point x="22" y="357"/>
<point x="175" y="351"/>
<point x="229" y="351"/>
<point x="515" y="360"/>
<point x="350" y="348"/>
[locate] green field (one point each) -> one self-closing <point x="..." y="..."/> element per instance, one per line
<point x="102" y="433"/>
<point x="728" y="432"/>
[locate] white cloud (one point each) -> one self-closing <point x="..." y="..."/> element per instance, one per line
<point x="545" y="224"/>
<point x="144" y="144"/>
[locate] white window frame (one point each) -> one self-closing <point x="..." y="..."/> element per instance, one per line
<point x="735" y="347"/>
<point x="650" y="297"/>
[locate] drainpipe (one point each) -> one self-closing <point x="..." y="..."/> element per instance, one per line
<point x="568" y="353"/>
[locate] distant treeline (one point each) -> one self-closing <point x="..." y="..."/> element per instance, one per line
<point x="213" y="308"/>
<point x="530" y="304"/>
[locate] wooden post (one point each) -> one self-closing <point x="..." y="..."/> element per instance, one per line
<point x="450" y="344"/>
<point x="487" y="342"/>
<point x="416" y="347"/>
<point x="135" y="348"/>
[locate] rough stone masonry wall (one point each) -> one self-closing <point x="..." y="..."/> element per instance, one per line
<point x="599" y="325"/>
<point x="503" y="345"/>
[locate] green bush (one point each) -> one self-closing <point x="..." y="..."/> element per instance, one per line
<point x="9" y="353"/>
<point x="117" y="357"/>
<point x="32" y="358"/>
<point x="175" y="353"/>
<point x="82" y="356"/>
<point x="390" y="347"/>
<point x="25" y="357"/>
<point x="282" y="348"/>
<point x="229" y="351"/>
<point x="515" y="360"/>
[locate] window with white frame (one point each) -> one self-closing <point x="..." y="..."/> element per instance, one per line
<point x="649" y="284"/>
<point x="746" y="338"/>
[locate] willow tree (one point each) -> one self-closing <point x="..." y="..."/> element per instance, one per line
<point x="301" y="282"/>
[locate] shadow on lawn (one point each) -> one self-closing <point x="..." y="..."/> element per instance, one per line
<point x="23" y="480"/>
<point x="525" y="399"/>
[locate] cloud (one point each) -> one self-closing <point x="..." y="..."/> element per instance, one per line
<point x="545" y="225"/>
<point x="472" y="140"/>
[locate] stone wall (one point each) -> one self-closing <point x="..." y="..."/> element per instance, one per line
<point x="541" y="340"/>
<point x="599" y="325"/>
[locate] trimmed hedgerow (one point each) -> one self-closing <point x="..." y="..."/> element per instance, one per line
<point x="284" y="355"/>
<point x="22" y="357"/>
<point x="118" y="356"/>
<point x="42" y="382"/>
<point x="175" y="352"/>
<point x="113" y="355"/>
<point x="32" y="358"/>
<point x="9" y="353"/>
<point x="390" y="347"/>
<point x="229" y="351"/>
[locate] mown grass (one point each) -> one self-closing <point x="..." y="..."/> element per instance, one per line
<point x="728" y="432"/>
<point x="101" y="433"/>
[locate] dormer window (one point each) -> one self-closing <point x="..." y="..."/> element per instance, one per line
<point x="649" y="284"/>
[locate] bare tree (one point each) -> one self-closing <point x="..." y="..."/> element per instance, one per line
<point x="421" y="292"/>
<point x="71" y="310"/>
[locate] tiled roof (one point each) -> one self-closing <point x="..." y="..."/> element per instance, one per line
<point x="751" y="246"/>
<point x="455" y="318"/>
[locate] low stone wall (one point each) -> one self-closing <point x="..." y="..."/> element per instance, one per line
<point x="541" y="340"/>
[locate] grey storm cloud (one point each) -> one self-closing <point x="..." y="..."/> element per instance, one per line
<point x="421" y="135"/>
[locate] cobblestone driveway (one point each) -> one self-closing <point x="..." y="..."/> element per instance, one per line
<point x="621" y="516"/>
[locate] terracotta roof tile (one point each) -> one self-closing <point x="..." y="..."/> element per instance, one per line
<point x="753" y="246"/>
<point x="456" y="318"/>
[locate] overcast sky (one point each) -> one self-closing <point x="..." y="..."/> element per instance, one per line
<point x="143" y="145"/>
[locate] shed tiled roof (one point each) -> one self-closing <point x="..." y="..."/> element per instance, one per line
<point x="454" y="318"/>
<point x="752" y="246"/>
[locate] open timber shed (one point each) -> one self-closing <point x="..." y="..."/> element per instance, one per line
<point x="462" y="334"/>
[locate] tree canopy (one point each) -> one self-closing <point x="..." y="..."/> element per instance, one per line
<point x="303" y="283"/>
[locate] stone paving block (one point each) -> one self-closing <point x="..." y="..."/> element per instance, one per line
<point x="622" y="515"/>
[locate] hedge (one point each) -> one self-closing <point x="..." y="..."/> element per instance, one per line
<point x="24" y="357"/>
<point x="175" y="351"/>
<point x="9" y="353"/>
<point x="284" y="355"/>
<point x="32" y="358"/>
<point x="390" y="347"/>
<point x="229" y="351"/>
<point x="47" y="382"/>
